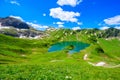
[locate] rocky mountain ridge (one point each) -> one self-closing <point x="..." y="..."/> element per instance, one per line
<point x="16" y="23"/>
<point x="18" y="28"/>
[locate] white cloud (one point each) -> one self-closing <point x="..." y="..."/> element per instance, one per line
<point x="64" y="15"/>
<point x="44" y="14"/>
<point x="60" y="26"/>
<point x="117" y="27"/>
<point x="76" y="28"/>
<point x="72" y="3"/>
<point x="113" y="20"/>
<point x="15" y="2"/>
<point x="104" y="28"/>
<point x="17" y="17"/>
<point x="59" y="23"/>
<point x="79" y="23"/>
<point x="37" y="26"/>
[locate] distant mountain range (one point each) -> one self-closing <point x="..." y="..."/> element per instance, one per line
<point x="18" y="28"/>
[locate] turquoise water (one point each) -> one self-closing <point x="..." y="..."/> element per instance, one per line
<point x="71" y="46"/>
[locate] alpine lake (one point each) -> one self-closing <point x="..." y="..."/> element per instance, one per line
<point x="70" y="46"/>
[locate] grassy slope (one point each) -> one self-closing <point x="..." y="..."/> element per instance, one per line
<point x="15" y="50"/>
<point x="111" y="49"/>
<point x="11" y="49"/>
<point x="38" y="64"/>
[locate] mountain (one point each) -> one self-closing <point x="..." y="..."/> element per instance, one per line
<point x="18" y="28"/>
<point x="13" y="22"/>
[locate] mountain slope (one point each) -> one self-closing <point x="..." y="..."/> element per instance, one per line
<point x="18" y="28"/>
<point x="13" y="22"/>
<point x="32" y="61"/>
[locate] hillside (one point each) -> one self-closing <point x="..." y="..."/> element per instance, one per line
<point x="30" y="59"/>
<point x="99" y="46"/>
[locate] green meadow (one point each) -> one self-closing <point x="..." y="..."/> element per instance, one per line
<point x="29" y="59"/>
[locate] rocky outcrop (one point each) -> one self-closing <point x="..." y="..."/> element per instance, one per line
<point x="16" y="23"/>
<point x="17" y="28"/>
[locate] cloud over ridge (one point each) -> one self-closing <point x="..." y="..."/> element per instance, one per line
<point x="113" y="20"/>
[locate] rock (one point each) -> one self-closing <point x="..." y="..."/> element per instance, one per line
<point x="13" y="22"/>
<point x="100" y="64"/>
<point x="17" y="28"/>
<point x="85" y="57"/>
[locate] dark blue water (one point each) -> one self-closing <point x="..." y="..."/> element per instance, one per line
<point x="77" y="46"/>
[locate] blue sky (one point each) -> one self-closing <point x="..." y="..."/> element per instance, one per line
<point x="73" y="14"/>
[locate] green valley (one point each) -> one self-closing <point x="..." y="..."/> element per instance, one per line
<point x="29" y="59"/>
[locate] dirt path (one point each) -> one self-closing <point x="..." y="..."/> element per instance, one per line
<point x="103" y="64"/>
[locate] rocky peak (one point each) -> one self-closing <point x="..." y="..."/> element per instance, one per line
<point x="16" y="23"/>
